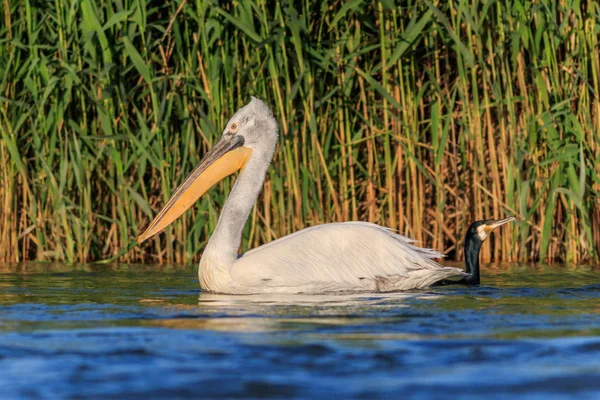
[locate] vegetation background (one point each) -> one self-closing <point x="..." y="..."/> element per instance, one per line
<point x="418" y="115"/>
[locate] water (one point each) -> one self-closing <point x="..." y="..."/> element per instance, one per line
<point x="145" y="331"/>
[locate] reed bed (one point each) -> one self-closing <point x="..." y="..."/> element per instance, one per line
<point x="422" y="116"/>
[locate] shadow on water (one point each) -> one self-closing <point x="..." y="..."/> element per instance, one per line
<point x="139" y="330"/>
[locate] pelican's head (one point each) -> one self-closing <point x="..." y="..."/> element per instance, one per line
<point x="255" y="125"/>
<point x="251" y="130"/>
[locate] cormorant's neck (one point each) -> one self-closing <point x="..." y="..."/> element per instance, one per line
<point x="472" y="247"/>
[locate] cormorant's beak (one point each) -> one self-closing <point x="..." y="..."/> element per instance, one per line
<point x="491" y="225"/>
<point x="225" y="158"/>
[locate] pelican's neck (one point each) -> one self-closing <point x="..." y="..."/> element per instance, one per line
<point x="225" y="242"/>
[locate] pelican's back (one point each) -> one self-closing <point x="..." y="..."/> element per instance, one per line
<point x="349" y="256"/>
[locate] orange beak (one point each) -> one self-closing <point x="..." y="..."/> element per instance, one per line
<point x="225" y="158"/>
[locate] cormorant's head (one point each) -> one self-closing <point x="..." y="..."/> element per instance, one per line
<point x="479" y="230"/>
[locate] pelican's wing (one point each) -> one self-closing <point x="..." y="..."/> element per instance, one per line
<point x="341" y="256"/>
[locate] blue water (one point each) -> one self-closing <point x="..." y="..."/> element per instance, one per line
<point x="134" y="331"/>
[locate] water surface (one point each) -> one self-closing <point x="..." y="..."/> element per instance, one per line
<point x="128" y="331"/>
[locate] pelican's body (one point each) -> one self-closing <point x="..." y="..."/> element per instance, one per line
<point x="337" y="257"/>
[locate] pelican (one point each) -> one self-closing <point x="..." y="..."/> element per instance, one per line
<point x="336" y="257"/>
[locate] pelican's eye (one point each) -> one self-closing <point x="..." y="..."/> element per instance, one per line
<point x="234" y="127"/>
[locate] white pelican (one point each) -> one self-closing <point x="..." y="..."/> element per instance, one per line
<point x="336" y="257"/>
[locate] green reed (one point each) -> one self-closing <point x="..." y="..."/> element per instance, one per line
<point x="421" y="116"/>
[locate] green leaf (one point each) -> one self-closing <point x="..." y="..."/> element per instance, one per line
<point x="466" y="54"/>
<point x="350" y="5"/>
<point x="247" y="28"/>
<point x="377" y="86"/>
<point x="409" y="36"/>
<point x="137" y="60"/>
<point x="93" y="24"/>
<point x="116" y="19"/>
